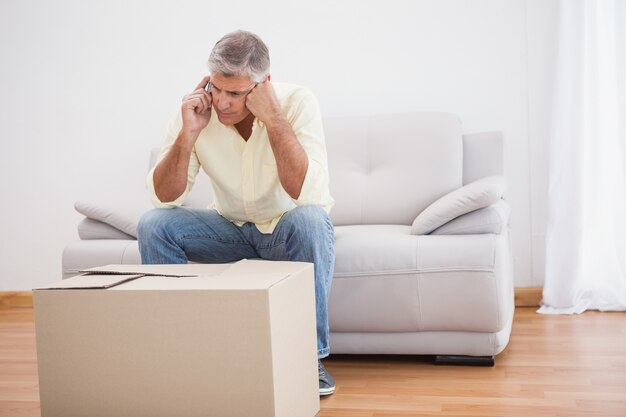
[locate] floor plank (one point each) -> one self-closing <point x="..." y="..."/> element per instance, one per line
<point x="554" y="366"/>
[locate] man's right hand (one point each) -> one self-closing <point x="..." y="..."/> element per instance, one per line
<point x="170" y="175"/>
<point x="196" y="110"/>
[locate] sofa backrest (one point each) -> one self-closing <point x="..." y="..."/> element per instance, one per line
<point x="386" y="169"/>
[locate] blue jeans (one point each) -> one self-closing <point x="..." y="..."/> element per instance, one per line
<point x="305" y="234"/>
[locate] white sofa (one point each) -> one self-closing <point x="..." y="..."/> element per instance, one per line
<point x="423" y="259"/>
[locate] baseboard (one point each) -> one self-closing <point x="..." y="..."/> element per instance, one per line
<point x="524" y="297"/>
<point x="528" y="297"/>
<point x="16" y="299"/>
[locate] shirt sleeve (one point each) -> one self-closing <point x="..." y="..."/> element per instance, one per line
<point x="306" y="121"/>
<point x="173" y="130"/>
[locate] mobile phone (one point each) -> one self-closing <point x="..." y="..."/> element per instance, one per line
<point x="207" y="87"/>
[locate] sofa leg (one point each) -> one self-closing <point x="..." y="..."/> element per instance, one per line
<point x="464" y="360"/>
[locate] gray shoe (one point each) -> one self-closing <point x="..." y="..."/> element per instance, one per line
<point x="327" y="382"/>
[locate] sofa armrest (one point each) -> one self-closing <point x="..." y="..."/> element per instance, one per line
<point x="482" y="155"/>
<point x="473" y="196"/>
<point x="90" y="229"/>
<point x="491" y="219"/>
<point x="82" y="254"/>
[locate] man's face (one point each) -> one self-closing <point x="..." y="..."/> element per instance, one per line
<point x="229" y="97"/>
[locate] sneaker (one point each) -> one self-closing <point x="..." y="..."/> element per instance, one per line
<point x="327" y="383"/>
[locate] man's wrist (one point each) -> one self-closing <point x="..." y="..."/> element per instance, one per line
<point x="276" y="120"/>
<point x="187" y="139"/>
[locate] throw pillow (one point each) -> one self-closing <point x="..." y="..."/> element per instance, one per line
<point x="491" y="219"/>
<point x="473" y="196"/>
<point x="123" y="218"/>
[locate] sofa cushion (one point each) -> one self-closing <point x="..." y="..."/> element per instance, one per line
<point x="123" y="217"/>
<point x="386" y="169"/>
<point x="473" y="196"/>
<point x="385" y="280"/>
<point x="392" y="249"/>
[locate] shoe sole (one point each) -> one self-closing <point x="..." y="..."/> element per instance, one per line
<point x="326" y="391"/>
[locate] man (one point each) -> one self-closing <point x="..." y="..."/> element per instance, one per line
<point x="262" y="146"/>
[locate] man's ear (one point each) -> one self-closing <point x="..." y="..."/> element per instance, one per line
<point x="268" y="77"/>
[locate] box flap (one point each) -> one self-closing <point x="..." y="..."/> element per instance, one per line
<point x="167" y="270"/>
<point x="251" y="281"/>
<point x="252" y="266"/>
<point x="95" y="281"/>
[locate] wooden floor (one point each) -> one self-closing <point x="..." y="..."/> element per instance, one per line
<point x="554" y="366"/>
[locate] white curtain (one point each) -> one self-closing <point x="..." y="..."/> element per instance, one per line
<point x="586" y="231"/>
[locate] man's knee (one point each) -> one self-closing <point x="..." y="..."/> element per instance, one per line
<point x="308" y="218"/>
<point x="153" y="222"/>
<point x="309" y="212"/>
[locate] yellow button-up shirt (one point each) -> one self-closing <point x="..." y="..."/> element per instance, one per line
<point x="243" y="174"/>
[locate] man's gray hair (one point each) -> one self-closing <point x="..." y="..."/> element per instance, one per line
<point x="240" y="53"/>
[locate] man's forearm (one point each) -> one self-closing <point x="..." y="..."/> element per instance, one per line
<point x="291" y="159"/>
<point x="170" y="175"/>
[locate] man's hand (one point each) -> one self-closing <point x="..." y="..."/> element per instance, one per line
<point x="263" y="103"/>
<point x="196" y="110"/>
<point x="170" y="175"/>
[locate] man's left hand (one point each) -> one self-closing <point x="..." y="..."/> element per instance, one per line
<point x="263" y="103"/>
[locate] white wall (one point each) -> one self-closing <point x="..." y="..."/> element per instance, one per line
<point x="87" y="87"/>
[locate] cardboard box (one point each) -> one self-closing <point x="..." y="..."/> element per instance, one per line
<point x="197" y="340"/>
